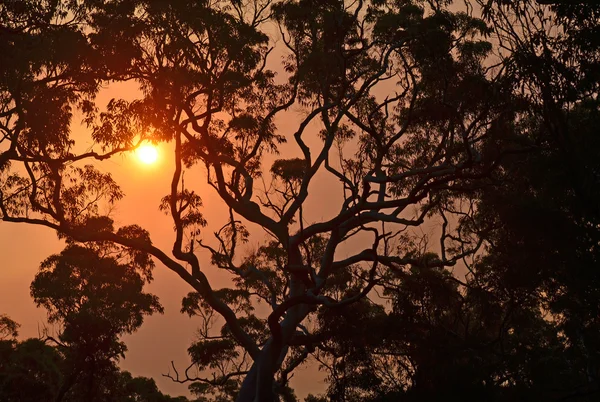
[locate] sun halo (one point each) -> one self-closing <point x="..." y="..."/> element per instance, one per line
<point x="147" y="154"/>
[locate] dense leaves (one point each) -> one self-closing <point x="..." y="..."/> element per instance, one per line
<point x="458" y="148"/>
<point x="33" y="371"/>
<point x="96" y="295"/>
<point x="8" y="327"/>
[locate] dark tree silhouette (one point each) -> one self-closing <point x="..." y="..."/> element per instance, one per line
<point x="442" y="338"/>
<point x="33" y="370"/>
<point x="29" y="371"/>
<point x="8" y="328"/>
<point x="96" y="296"/>
<point x="411" y="124"/>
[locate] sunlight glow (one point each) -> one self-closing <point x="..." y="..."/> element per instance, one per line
<point x="147" y="153"/>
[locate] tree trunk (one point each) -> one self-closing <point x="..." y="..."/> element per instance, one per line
<point x="258" y="386"/>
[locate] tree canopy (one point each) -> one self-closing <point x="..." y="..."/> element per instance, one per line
<point x="475" y="119"/>
<point x="94" y="295"/>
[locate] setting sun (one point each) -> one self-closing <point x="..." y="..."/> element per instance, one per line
<point x="148" y="154"/>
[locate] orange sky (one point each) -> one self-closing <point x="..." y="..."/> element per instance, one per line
<point x="166" y="337"/>
<point x="161" y="338"/>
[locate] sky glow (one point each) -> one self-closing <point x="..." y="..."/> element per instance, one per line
<point x="147" y="154"/>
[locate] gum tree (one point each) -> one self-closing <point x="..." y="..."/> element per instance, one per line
<point x="96" y="296"/>
<point x="397" y="89"/>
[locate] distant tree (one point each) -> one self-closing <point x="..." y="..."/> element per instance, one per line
<point x="96" y="295"/>
<point x="543" y="248"/>
<point x="123" y="387"/>
<point x="142" y="389"/>
<point x="30" y="371"/>
<point x="542" y="206"/>
<point x="8" y="328"/>
<point x="409" y="121"/>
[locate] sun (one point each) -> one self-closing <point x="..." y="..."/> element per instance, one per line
<point x="147" y="153"/>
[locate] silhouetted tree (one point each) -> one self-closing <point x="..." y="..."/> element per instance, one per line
<point x="32" y="370"/>
<point x="96" y="295"/>
<point x="8" y="328"/>
<point x="442" y="338"/>
<point x="410" y="120"/>
<point x="29" y="371"/>
<point x="543" y="206"/>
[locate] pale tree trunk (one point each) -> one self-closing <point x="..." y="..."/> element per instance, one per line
<point x="258" y="386"/>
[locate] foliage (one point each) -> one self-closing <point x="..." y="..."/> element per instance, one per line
<point x="96" y="295"/>
<point x="29" y="371"/>
<point x="420" y="112"/>
<point x="8" y="327"/>
<point x="32" y="370"/>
